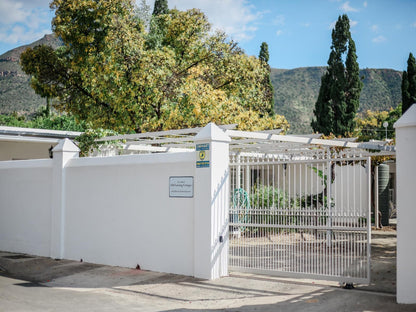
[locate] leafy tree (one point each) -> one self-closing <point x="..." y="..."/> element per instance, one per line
<point x="44" y="119"/>
<point x="109" y="76"/>
<point x="87" y="140"/>
<point x="339" y="94"/>
<point x="409" y="83"/>
<point x="267" y="82"/>
<point x="370" y="124"/>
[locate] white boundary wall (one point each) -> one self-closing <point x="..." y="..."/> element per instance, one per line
<point x="25" y="206"/>
<point x="406" y="208"/>
<point x="126" y="216"/>
<point x="117" y="210"/>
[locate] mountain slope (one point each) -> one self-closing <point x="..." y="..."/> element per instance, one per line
<point x="296" y="91"/>
<point x="16" y="95"/>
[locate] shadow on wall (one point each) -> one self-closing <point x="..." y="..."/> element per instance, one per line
<point x="221" y="201"/>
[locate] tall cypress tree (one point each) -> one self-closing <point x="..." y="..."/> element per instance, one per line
<point x="161" y="7"/>
<point x="409" y="84"/>
<point x="354" y="85"/>
<point x="156" y="28"/>
<point x="267" y="82"/>
<point x="339" y="94"/>
<point x="264" y="52"/>
<point x="324" y="124"/>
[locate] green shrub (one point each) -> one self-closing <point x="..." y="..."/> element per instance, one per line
<point x="268" y="197"/>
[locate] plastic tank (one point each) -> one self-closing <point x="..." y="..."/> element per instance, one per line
<point x="383" y="193"/>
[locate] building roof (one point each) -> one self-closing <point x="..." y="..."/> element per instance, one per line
<point x="18" y="134"/>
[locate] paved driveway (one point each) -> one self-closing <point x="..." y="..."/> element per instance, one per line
<point x="43" y="284"/>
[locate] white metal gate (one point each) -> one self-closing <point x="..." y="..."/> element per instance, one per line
<point x="305" y="215"/>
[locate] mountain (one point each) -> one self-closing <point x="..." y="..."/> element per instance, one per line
<point x="295" y="90"/>
<point x="16" y="95"/>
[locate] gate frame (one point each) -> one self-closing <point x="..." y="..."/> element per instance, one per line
<point x="328" y="227"/>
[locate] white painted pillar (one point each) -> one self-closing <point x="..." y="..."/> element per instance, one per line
<point x="406" y="207"/>
<point x="212" y="193"/>
<point x="62" y="154"/>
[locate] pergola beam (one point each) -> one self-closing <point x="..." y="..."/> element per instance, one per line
<point x="268" y="141"/>
<point x="306" y="140"/>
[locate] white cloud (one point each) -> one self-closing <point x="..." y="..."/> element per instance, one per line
<point x="31" y="12"/>
<point x="35" y="3"/>
<point x="279" y="20"/>
<point x="365" y="4"/>
<point x="374" y="28"/>
<point x="353" y="23"/>
<point x="12" y="12"/>
<point x="19" y="35"/>
<point x="347" y="8"/>
<point x="236" y="18"/>
<point x="414" y="24"/>
<point x="279" y="32"/>
<point x="379" y="39"/>
<point x="23" y="21"/>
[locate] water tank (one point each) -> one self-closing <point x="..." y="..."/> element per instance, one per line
<point x="383" y="193"/>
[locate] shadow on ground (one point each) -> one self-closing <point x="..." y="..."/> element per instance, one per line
<point x="133" y="289"/>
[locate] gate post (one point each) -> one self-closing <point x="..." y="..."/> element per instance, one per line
<point x="406" y="212"/>
<point x="62" y="153"/>
<point x="211" y="212"/>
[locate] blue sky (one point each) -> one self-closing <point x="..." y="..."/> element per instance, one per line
<point x="298" y="32"/>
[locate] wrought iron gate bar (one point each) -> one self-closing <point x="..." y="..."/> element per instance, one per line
<point x="302" y="161"/>
<point x="307" y="227"/>
<point x="301" y="215"/>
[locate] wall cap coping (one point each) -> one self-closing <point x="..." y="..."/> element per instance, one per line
<point x="65" y="145"/>
<point x="211" y="132"/>
<point x="408" y="119"/>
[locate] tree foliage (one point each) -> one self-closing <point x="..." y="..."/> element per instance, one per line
<point x="267" y="81"/>
<point x="370" y="124"/>
<point x="87" y="141"/>
<point x="160" y="7"/>
<point x="339" y="94"/>
<point x="43" y="119"/>
<point x="354" y="86"/>
<point x="264" y="52"/>
<point x="409" y="84"/>
<point x="114" y="74"/>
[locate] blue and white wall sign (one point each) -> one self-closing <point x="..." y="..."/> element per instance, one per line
<point x="202" y="155"/>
